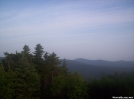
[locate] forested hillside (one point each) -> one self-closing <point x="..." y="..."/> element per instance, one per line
<point x="105" y="63"/>
<point x="37" y="75"/>
<point x="95" y="68"/>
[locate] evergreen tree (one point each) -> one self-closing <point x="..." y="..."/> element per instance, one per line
<point x="6" y="84"/>
<point x="38" y="52"/>
<point x="38" y="60"/>
<point x="26" y="53"/>
<point x="70" y="86"/>
<point x="49" y="71"/>
<point x="27" y="84"/>
<point x="26" y="49"/>
<point x="27" y="76"/>
<point x="54" y="62"/>
<point x="21" y="78"/>
<point x="64" y="67"/>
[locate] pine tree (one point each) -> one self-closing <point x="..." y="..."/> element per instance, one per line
<point x="26" y="49"/>
<point x="6" y="84"/>
<point x="38" y="60"/>
<point x="38" y="52"/>
<point x="27" y="83"/>
<point x="64" y="67"/>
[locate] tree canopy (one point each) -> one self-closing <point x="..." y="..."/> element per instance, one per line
<point x="41" y="75"/>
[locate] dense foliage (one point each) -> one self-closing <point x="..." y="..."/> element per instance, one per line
<point x="38" y="75"/>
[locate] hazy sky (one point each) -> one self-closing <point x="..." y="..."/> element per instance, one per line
<point x="91" y="29"/>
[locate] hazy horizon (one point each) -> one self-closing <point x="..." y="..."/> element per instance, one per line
<point x="90" y="29"/>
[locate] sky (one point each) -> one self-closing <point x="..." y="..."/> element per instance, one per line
<point x="90" y="29"/>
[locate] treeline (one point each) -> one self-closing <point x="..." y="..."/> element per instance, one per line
<point x="38" y="75"/>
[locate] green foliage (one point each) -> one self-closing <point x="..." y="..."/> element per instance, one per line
<point x="64" y="69"/>
<point x="38" y="52"/>
<point x="77" y="87"/>
<point x="69" y="87"/>
<point x="36" y="76"/>
<point x="22" y="77"/>
<point x="108" y="86"/>
<point x="27" y="81"/>
<point x="26" y="49"/>
<point x="59" y="86"/>
<point x="49" y="70"/>
<point x="6" y="84"/>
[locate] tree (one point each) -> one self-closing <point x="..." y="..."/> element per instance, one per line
<point x="113" y="85"/>
<point x="27" y="83"/>
<point x="64" y="67"/>
<point x="26" y="53"/>
<point x="49" y="70"/>
<point x="6" y="84"/>
<point x="38" y="60"/>
<point x="77" y="87"/>
<point x="38" y="52"/>
<point x="59" y="87"/>
<point x="70" y="86"/>
<point x="21" y="80"/>
<point x="26" y="49"/>
<point x="54" y="62"/>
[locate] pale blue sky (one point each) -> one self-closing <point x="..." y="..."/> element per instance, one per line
<point x="91" y="29"/>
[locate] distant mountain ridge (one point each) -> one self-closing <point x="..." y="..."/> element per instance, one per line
<point x="104" y="62"/>
<point x="95" y="68"/>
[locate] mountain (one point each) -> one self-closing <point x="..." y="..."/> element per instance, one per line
<point x="104" y="62"/>
<point x="98" y="67"/>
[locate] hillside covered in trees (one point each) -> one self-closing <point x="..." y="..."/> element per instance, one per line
<point x="90" y="69"/>
<point x="38" y="75"/>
